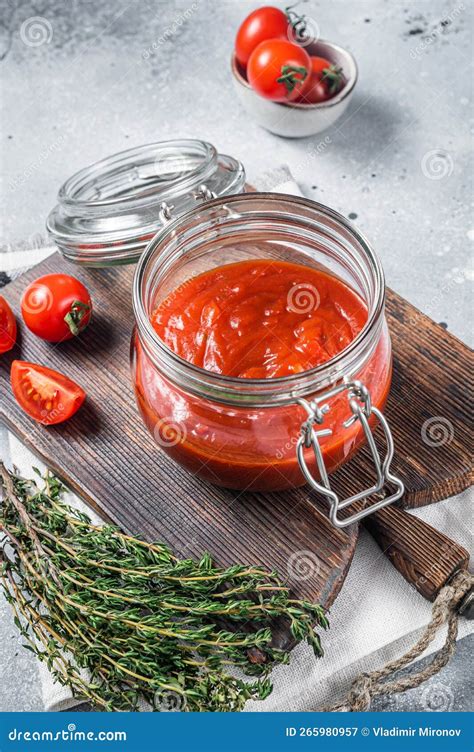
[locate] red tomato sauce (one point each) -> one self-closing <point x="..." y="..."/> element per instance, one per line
<point x="254" y="319"/>
<point x="260" y="319"/>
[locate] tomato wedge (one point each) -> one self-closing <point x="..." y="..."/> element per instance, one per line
<point x="7" y="327"/>
<point x="45" y="395"/>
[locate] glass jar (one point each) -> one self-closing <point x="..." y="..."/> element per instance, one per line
<point x="265" y="434"/>
<point x="108" y="212"/>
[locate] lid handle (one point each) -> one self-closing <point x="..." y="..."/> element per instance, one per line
<point x="361" y="408"/>
<point x="166" y="210"/>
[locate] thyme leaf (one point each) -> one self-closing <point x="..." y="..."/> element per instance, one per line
<point x="119" y="620"/>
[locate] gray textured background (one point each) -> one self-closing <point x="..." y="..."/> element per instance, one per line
<point x="90" y="91"/>
<point x="396" y="163"/>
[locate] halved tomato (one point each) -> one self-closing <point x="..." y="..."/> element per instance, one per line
<point x="7" y="327"/>
<point x="45" y="395"/>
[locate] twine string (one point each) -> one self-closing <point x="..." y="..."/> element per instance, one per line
<point x="381" y="682"/>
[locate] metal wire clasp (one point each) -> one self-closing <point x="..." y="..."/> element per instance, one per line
<point x="361" y="408"/>
<point x="203" y="193"/>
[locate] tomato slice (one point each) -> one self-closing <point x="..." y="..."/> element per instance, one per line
<point x="7" y="327"/>
<point x="45" y="395"/>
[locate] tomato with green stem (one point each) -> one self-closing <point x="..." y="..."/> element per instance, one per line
<point x="264" y="23"/>
<point x="277" y="70"/>
<point x="324" y="81"/>
<point x="7" y="327"/>
<point x="56" y="307"/>
<point x="45" y="395"/>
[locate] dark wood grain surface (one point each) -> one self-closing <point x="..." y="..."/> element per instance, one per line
<point x="429" y="409"/>
<point x="106" y="454"/>
<point x="427" y="558"/>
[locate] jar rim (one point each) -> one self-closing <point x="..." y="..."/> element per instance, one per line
<point x="231" y="389"/>
<point x="197" y="161"/>
<point x="108" y="211"/>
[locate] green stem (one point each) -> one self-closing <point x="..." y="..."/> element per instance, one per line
<point x="75" y="317"/>
<point x="291" y="75"/>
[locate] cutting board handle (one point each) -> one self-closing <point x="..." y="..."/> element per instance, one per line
<point x="425" y="557"/>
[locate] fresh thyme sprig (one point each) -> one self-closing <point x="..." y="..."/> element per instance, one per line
<point x="119" y="620"/>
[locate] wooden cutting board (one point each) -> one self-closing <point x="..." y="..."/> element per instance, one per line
<point x="107" y="456"/>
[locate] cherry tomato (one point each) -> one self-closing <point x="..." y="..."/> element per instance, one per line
<point x="264" y="23"/>
<point x="7" y="327"/>
<point x="316" y="92"/>
<point x="277" y="70"/>
<point x="56" y="307"/>
<point x="44" y="394"/>
<point x="323" y="82"/>
<point x="319" y="65"/>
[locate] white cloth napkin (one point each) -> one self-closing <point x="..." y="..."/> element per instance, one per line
<point x="376" y="617"/>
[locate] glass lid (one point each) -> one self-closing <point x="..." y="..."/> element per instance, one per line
<point x="108" y="212"/>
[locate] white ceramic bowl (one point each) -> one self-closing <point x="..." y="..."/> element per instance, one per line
<point x="297" y="120"/>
